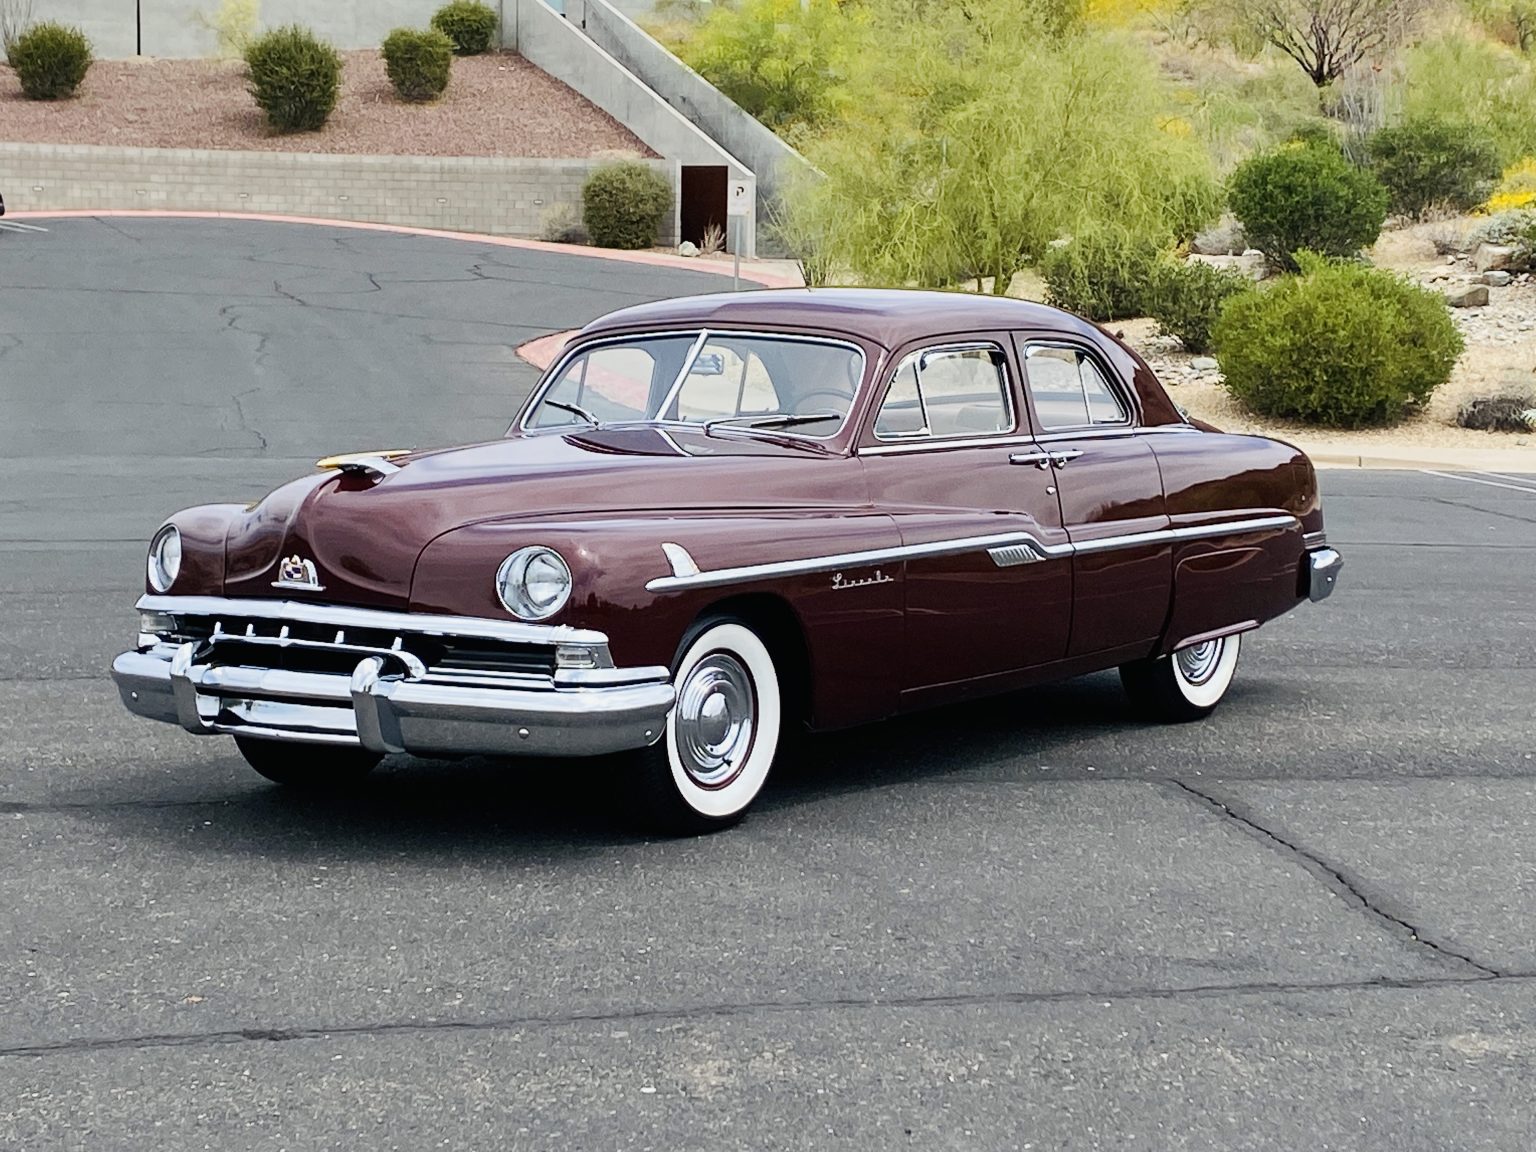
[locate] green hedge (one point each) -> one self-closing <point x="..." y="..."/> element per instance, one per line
<point x="470" y="25"/>
<point x="418" y="62"/>
<point x="1105" y="274"/>
<point x="1341" y="344"/>
<point x="623" y="204"/>
<point x="50" y="60"/>
<point x="1306" y="196"/>
<point x="295" y="78"/>
<point x="1428" y="162"/>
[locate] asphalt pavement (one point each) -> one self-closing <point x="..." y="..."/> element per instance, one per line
<point x="1025" y="923"/>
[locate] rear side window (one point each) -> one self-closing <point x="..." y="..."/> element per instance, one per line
<point x="1070" y="390"/>
<point x="947" y="392"/>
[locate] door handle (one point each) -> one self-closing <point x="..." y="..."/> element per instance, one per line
<point x="1060" y="458"/>
<point x="1038" y="459"/>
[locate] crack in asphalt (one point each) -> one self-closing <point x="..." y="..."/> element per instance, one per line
<point x="245" y="425"/>
<point x="739" y="1010"/>
<point x="1335" y="879"/>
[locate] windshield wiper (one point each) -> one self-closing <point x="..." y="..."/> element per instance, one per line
<point x="771" y="420"/>
<point x="575" y="410"/>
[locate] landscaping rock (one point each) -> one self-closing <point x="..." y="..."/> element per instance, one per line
<point x="1492" y="257"/>
<point x="1226" y="239"/>
<point x="1250" y="264"/>
<point x="1496" y="279"/>
<point x="1469" y="296"/>
<point x="689" y="248"/>
<point x="1205" y="364"/>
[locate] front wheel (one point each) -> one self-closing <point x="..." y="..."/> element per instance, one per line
<point x="1186" y="685"/>
<point x="317" y="767"/>
<point x="721" y="736"/>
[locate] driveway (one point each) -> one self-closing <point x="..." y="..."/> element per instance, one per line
<point x="1023" y="923"/>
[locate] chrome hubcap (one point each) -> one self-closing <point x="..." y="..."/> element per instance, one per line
<point x="1197" y="663"/>
<point x="715" y="720"/>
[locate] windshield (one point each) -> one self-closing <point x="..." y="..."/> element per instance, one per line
<point x="702" y="378"/>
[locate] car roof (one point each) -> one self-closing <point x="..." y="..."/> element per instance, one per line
<point x="887" y="316"/>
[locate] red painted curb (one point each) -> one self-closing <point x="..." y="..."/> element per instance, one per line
<point x="542" y="351"/>
<point x="654" y="259"/>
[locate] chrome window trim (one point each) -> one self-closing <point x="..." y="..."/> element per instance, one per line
<point x="1002" y="546"/>
<point x="380" y="619"/>
<point x="1020" y="440"/>
<point x="554" y="372"/>
<point x="1111" y="379"/>
<point x="924" y="436"/>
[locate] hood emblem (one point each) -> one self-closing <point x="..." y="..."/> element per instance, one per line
<point x="298" y="573"/>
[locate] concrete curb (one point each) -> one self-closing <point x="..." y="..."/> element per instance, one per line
<point x="758" y="276"/>
<point x="1449" y="460"/>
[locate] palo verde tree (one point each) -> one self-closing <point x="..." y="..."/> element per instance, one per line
<point x="976" y="134"/>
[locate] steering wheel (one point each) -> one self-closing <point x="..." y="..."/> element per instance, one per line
<point x="839" y="400"/>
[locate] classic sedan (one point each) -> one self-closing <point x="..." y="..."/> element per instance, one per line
<point x="720" y="519"/>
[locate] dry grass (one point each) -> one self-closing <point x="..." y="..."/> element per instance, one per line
<point x="496" y="105"/>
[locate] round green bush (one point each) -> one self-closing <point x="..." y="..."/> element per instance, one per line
<point x="295" y="78"/>
<point x="1104" y="274"/>
<point x="1426" y="161"/>
<point x="418" y="62"/>
<point x="50" y="60"/>
<point x="1306" y="196"/>
<point x="1342" y="345"/>
<point x="623" y="204"/>
<point x="1187" y="299"/>
<point x="469" y="24"/>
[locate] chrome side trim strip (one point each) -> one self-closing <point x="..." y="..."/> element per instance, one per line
<point x="1003" y="548"/>
<point x="1198" y="532"/>
<point x="343" y="617"/>
<point x="1314" y="540"/>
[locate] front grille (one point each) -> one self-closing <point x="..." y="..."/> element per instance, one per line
<point x="238" y="642"/>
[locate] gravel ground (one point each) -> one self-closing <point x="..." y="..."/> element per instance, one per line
<point x="496" y="105"/>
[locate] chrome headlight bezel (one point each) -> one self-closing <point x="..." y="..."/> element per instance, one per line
<point x="164" y="562"/>
<point x="526" y="569"/>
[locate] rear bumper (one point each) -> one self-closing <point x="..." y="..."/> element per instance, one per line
<point x="578" y="713"/>
<point x="1322" y="572"/>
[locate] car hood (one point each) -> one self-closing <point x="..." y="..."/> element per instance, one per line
<point x="363" y="533"/>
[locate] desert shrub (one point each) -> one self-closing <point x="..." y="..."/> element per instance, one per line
<point x="1516" y="188"/>
<point x="50" y="60"/>
<point x="1500" y="412"/>
<point x="1303" y="196"/>
<point x="1341" y="344"/>
<point x="1187" y="299"/>
<point x="1472" y="80"/>
<point x="469" y="24"/>
<point x="1103" y="274"/>
<point x="294" y="77"/>
<point x="622" y="204"/>
<point x="233" y="25"/>
<point x="1427" y="161"/>
<point x="418" y="62"/>
<point x="563" y="226"/>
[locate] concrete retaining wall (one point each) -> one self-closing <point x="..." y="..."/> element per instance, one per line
<point x="694" y="97"/>
<point x="509" y="197"/>
<point x="554" y="43"/>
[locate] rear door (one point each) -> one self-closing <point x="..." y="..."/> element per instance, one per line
<point x="1111" y="492"/>
<point x="984" y="596"/>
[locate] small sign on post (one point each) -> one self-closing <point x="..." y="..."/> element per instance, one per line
<point x="738" y="203"/>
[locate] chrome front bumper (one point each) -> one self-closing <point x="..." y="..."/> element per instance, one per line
<point x="1322" y="567"/>
<point x="386" y="705"/>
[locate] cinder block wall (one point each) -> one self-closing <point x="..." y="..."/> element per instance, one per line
<point x="506" y="196"/>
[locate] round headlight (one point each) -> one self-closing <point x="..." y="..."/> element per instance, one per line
<point x="534" y="583"/>
<point x="164" y="558"/>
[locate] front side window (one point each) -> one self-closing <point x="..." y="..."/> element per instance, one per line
<point x="801" y="384"/>
<point x="1069" y="389"/>
<point x="947" y="392"/>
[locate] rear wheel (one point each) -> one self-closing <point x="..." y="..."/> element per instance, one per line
<point x="318" y="767"/>
<point x="1186" y="685"/>
<point x="721" y="736"/>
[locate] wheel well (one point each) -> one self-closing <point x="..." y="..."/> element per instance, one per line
<point x="780" y="629"/>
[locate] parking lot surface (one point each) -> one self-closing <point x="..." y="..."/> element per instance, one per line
<point x="1030" y="922"/>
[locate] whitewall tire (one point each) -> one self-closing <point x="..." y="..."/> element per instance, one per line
<point x="1186" y="685"/>
<point x="722" y="734"/>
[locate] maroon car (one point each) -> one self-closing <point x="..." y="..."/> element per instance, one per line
<point x="716" y="518"/>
